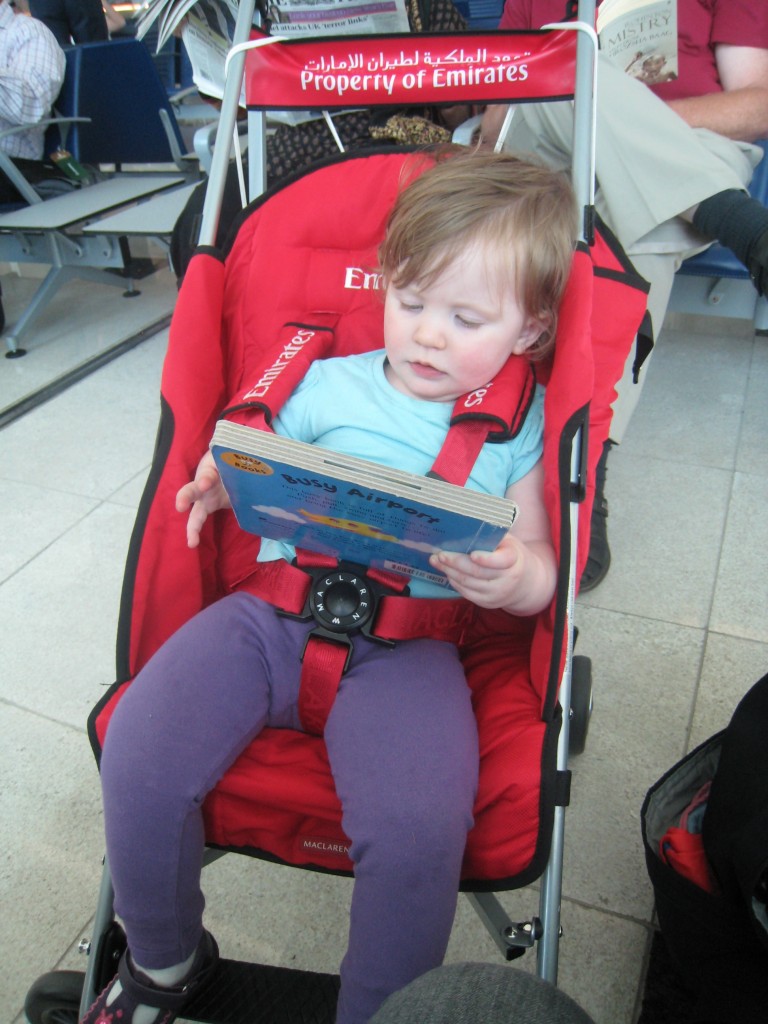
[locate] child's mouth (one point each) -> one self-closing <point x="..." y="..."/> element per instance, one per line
<point x="425" y="371"/>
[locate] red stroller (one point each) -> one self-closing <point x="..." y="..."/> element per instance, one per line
<point x="278" y="799"/>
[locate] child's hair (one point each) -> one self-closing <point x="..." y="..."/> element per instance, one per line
<point x="523" y="214"/>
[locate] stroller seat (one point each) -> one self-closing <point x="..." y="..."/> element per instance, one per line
<point x="221" y="340"/>
<point x="305" y="253"/>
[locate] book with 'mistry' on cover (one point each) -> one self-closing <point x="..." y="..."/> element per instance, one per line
<point x="349" y="508"/>
<point x="640" y="37"/>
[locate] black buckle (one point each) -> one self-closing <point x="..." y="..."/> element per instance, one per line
<point x="341" y="601"/>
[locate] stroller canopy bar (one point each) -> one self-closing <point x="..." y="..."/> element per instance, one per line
<point x="404" y="69"/>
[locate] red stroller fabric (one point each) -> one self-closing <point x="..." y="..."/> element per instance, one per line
<point x="307" y="254"/>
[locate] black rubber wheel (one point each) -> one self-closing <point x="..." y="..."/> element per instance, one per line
<point x="55" y="998"/>
<point x="581" y="703"/>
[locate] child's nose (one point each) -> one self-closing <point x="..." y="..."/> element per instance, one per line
<point x="428" y="333"/>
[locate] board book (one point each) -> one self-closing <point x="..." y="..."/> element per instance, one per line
<point x="349" y="508"/>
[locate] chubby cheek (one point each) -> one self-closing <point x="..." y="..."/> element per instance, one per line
<point x="390" y="324"/>
<point x="393" y="330"/>
<point x="475" y="369"/>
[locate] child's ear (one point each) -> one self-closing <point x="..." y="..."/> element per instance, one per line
<point x="532" y="330"/>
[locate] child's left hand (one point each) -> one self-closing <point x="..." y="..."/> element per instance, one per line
<point x="520" y="575"/>
<point x="491" y="579"/>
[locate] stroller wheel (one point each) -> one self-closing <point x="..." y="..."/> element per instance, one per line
<point x="55" y="998"/>
<point x="581" y="704"/>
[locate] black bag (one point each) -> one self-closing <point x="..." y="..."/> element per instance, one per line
<point x="718" y="940"/>
<point x="736" y="820"/>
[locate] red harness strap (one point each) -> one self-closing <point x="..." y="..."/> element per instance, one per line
<point x="495" y="412"/>
<point x="322" y="667"/>
<point x="397" y="618"/>
<point x="324" y="659"/>
<point x="460" y="450"/>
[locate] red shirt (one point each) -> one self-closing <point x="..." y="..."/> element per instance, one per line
<point x="700" y="25"/>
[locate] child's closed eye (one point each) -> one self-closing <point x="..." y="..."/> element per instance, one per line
<point x="468" y="322"/>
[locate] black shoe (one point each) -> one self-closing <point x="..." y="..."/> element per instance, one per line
<point x="599" y="558"/>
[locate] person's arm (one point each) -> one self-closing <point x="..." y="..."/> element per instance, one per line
<point x="490" y="125"/>
<point x="32" y="81"/>
<point x="741" y="110"/>
<point x="520" y="575"/>
<point x="115" y="21"/>
<point x="200" y="497"/>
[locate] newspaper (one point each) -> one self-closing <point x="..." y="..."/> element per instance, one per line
<point x="207" y="36"/>
<point x="298" y="18"/>
<point x="207" y="28"/>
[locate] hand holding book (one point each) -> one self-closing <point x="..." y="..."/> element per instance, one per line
<point x="522" y="568"/>
<point x="200" y="497"/>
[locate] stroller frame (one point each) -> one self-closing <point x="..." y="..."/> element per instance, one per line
<point x="574" y="690"/>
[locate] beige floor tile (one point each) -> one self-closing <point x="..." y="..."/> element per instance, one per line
<point x="691" y="405"/>
<point x="731" y="666"/>
<point x="61" y="612"/>
<point x="31" y="518"/>
<point x="644" y="675"/>
<point x="92" y="439"/>
<point x="740" y="604"/>
<point x="753" y="450"/>
<point x="665" y="527"/>
<point x="100" y="317"/>
<point x="50" y="819"/>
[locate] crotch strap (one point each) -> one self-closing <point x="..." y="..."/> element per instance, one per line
<point x="344" y="599"/>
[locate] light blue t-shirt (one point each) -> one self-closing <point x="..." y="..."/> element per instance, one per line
<point x="347" y="405"/>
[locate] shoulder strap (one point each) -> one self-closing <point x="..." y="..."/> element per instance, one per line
<point x="494" y="413"/>
<point x="284" y="367"/>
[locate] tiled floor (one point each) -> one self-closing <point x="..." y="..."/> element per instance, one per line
<point x="677" y="632"/>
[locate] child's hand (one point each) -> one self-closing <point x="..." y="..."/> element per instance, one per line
<point x="520" y="575"/>
<point x="494" y="579"/>
<point x="200" y="497"/>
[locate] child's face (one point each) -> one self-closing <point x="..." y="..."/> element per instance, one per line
<point x="454" y="335"/>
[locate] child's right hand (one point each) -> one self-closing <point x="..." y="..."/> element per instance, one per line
<point x="200" y="497"/>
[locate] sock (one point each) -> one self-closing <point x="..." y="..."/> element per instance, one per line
<point x="739" y="222"/>
<point x="167" y="977"/>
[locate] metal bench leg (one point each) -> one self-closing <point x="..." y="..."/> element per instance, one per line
<point x="53" y="280"/>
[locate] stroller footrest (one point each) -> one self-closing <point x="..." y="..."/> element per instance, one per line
<point x="243" y="993"/>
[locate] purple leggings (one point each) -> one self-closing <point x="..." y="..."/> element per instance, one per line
<point x="402" y="743"/>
